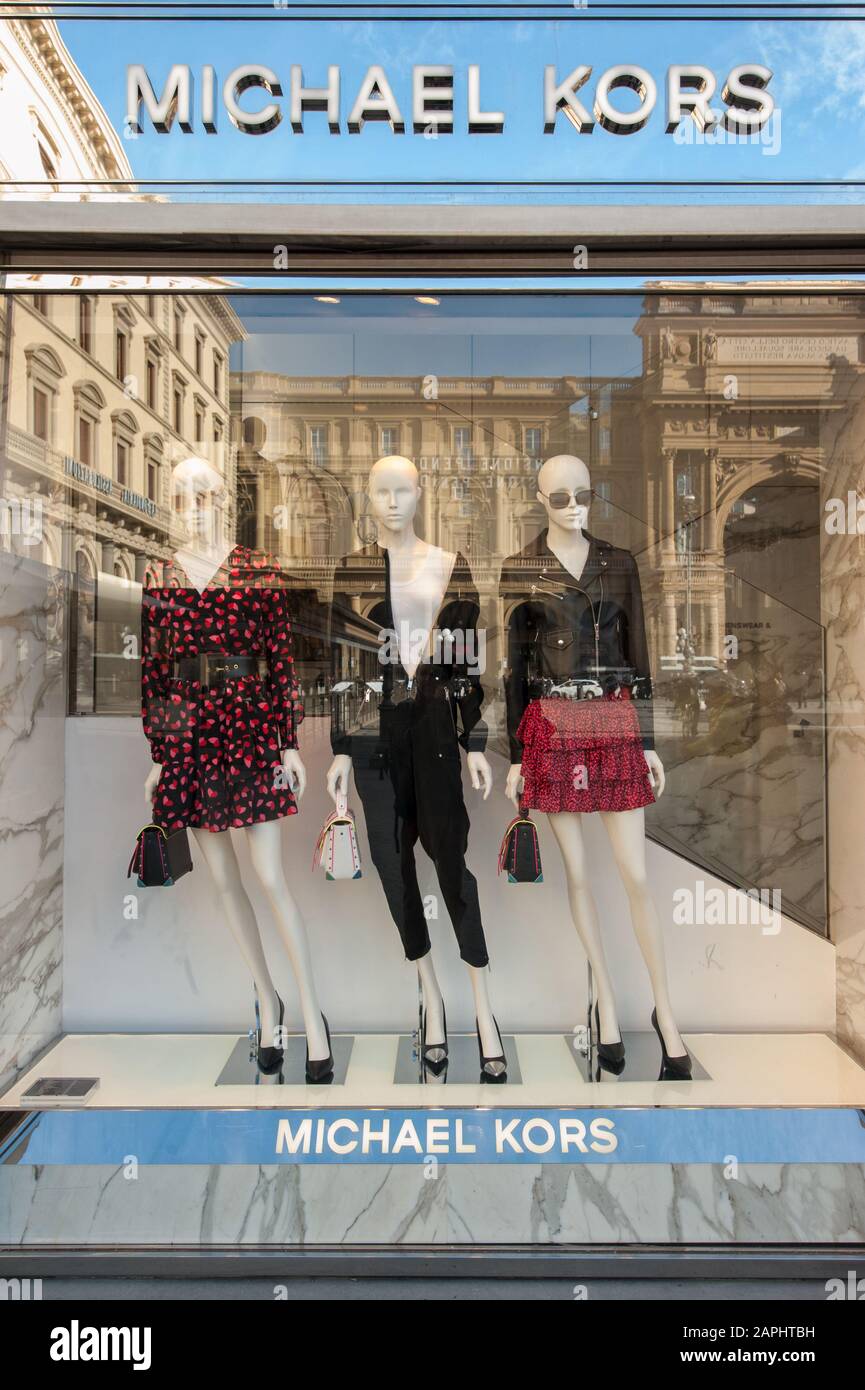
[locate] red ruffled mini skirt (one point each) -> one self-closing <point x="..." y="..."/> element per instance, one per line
<point x="583" y="755"/>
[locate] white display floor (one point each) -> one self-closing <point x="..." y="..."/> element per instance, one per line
<point x="179" y="1070"/>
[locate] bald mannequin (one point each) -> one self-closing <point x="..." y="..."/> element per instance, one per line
<point x="569" y="542"/>
<point x="419" y="574"/>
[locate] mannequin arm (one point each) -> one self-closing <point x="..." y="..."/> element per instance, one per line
<point x="291" y="762"/>
<point x="151" y="783"/>
<point x="481" y="773"/>
<point x="657" y="776"/>
<point x="514" y="784"/>
<point x="339" y="776"/>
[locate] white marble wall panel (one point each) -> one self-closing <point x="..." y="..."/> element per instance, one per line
<point x="31" y="811"/>
<point x="843" y="603"/>
<point x="463" y="1205"/>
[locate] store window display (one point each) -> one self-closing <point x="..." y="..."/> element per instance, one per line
<point x="513" y="603"/>
<point x="221" y="707"/>
<point x="580" y="728"/>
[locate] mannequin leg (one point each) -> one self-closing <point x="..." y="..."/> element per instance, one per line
<point x="484" y="1011"/>
<point x="265" y="849"/>
<point x="432" y="1000"/>
<point x="627" y="832"/>
<point x="567" y="828"/>
<point x="221" y="859"/>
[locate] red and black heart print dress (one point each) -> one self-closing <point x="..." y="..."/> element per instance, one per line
<point x="219" y="744"/>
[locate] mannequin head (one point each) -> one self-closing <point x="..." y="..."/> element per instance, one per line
<point x="564" y="473"/>
<point x="198" y="505"/>
<point x="394" y="492"/>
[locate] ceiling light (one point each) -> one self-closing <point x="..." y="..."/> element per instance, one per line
<point x="426" y="299"/>
<point x="326" y="299"/>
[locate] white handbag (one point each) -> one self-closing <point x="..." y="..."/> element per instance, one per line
<point x="337" y="849"/>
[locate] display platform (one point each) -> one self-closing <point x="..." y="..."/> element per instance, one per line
<point x="242" y="1069"/>
<point x="739" y="1069"/>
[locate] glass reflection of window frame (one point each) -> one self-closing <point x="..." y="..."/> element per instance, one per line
<point x="388" y="446"/>
<point x="603" y="495"/>
<point x="86" y="322"/>
<point x="178" y="404"/>
<point x="44" y="373"/>
<point x="121" y="354"/>
<point x="318" y="450"/>
<point x="151" y="378"/>
<point x="532" y="449"/>
<point x="124" y="428"/>
<point x="88" y="416"/>
<point x="122" y="453"/>
<point x="152" y="467"/>
<point x="462" y="450"/>
<point x="41" y="415"/>
<point x="198" y="353"/>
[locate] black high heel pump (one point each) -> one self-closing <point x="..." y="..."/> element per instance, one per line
<point x="270" y="1059"/>
<point x="320" y="1072"/>
<point x="611" y="1054"/>
<point x="494" y="1070"/>
<point x="676" y="1068"/>
<point x="434" y="1055"/>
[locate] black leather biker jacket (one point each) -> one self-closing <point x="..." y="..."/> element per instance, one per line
<point x="574" y="637"/>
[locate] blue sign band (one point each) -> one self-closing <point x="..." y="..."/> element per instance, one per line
<point x="389" y="1136"/>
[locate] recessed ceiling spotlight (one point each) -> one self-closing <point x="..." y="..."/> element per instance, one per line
<point x="426" y="299"/>
<point x="326" y="299"/>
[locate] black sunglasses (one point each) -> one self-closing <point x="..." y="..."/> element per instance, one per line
<point x="559" y="499"/>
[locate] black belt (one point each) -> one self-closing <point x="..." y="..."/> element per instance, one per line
<point x="216" y="669"/>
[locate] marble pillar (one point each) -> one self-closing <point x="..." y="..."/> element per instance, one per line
<point x="32" y="710"/>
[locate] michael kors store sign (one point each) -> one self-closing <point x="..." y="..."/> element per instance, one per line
<point x="743" y="103"/>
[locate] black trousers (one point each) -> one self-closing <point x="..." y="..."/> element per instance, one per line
<point x="410" y="785"/>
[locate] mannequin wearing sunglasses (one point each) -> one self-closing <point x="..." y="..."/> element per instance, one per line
<point x="579" y="614"/>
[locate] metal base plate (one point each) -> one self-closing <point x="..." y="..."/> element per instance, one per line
<point x="642" y="1061"/>
<point x="463" y="1068"/>
<point x="241" y="1068"/>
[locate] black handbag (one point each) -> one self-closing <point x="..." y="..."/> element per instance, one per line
<point x="160" y="859"/>
<point x="520" y="852"/>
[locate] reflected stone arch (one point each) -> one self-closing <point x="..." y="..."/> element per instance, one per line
<point x="86" y="561"/>
<point x="768" y="470"/>
<point x="773" y="558"/>
<point x="373" y="610"/>
<point x="319" y="508"/>
<point x="41" y="355"/>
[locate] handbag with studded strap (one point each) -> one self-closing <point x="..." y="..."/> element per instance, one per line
<point x="520" y="853"/>
<point x="160" y="859"/>
<point x="336" y="848"/>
